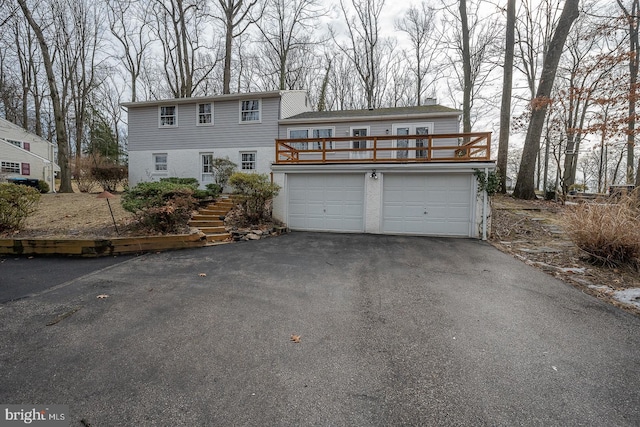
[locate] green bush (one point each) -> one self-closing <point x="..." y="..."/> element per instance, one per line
<point x="255" y="191"/>
<point x="17" y="202"/>
<point x="607" y="233"/>
<point x="164" y="206"/>
<point x="191" y="182"/>
<point x="43" y="187"/>
<point x="214" y="190"/>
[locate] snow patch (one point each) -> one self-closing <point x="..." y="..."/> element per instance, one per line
<point x="628" y="296"/>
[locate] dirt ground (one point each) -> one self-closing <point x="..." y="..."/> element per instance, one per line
<point x="76" y="215"/>
<point x="529" y="230"/>
<point x="532" y="231"/>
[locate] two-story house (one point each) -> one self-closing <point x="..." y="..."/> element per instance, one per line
<point x="26" y="155"/>
<point x="389" y="170"/>
<point x="180" y="137"/>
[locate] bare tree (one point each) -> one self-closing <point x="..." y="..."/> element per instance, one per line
<point x="507" y="84"/>
<point x="62" y="138"/>
<point x="633" y="22"/>
<point x="287" y="28"/>
<point x="525" y="184"/>
<point x="234" y="18"/>
<point x="418" y="24"/>
<point x="365" y="48"/>
<point x="128" y="22"/>
<point x="187" y="61"/>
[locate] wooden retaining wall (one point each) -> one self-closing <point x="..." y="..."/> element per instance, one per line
<point x="101" y="247"/>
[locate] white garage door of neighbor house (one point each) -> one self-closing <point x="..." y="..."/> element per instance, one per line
<point x="326" y="202"/>
<point x="427" y="204"/>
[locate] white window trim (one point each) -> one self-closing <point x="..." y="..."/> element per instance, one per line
<point x="412" y="130"/>
<point x="16" y="167"/>
<point x="155" y="163"/>
<point x="360" y="155"/>
<point x="310" y="134"/>
<point x="202" y="172"/>
<point x="175" y="121"/>
<point x="255" y="160"/>
<point x="198" y="114"/>
<point x="246" y="122"/>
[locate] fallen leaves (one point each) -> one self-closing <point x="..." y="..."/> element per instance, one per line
<point x="295" y="338"/>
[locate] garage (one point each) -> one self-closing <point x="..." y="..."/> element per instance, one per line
<point x="326" y="202"/>
<point x="435" y="204"/>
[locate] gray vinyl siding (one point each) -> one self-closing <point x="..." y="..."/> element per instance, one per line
<point x="226" y="132"/>
<point x="293" y="103"/>
<point x="379" y="127"/>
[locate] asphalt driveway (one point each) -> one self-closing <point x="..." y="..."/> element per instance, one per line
<point x="394" y="331"/>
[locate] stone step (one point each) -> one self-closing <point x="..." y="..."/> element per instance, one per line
<point x="206" y="217"/>
<point x="218" y="237"/>
<point x="198" y="223"/>
<point x="213" y="230"/>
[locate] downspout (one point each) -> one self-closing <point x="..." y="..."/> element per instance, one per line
<point x="484" y="208"/>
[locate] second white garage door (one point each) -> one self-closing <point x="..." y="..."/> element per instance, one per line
<point x="326" y="202"/>
<point x="427" y="204"/>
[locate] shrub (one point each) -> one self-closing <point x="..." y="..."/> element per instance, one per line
<point x="83" y="174"/>
<point x="17" y="202"/>
<point x="223" y="168"/>
<point x="608" y="233"/>
<point x="164" y="207"/>
<point x="191" y="182"/>
<point x="43" y="187"/>
<point x="214" y="190"/>
<point x="110" y="176"/>
<point x="255" y="191"/>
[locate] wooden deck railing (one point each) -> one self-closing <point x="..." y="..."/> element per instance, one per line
<point x="458" y="147"/>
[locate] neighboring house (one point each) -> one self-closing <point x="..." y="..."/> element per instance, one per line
<point x="389" y="170"/>
<point x="180" y="137"/>
<point x="26" y="155"/>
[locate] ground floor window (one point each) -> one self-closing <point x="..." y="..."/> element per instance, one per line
<point x="248" y="161"/>
<point x="10" y="167"/>
<point x="207" y="167"/>
<point x="160" y="162"/>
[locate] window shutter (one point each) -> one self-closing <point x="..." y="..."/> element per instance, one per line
<point x="26" y="169"/>
<point x="26" y="146"/>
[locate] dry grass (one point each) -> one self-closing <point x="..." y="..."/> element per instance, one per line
<point x="75" y="215"/>
<point x="607" y="232"/>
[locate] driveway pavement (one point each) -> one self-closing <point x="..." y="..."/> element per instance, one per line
<point x="394" y="331"/>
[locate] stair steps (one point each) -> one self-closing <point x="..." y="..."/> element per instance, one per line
<point x="210" y="221"/>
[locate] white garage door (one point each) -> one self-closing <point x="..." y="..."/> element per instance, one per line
<point x="427" y="204"/>
<point x="326" y="202"/>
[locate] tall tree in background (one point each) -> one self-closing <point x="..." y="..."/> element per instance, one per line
<point x="287" y="28"/>
<point x="507" y="84"/>
<point x="418" y="24"/>
<point x="633" y="21"/>
<point x="235" y="13"/>
<point x="62" y="138"/>
<point x="365" y="49"/>
<point x="525" y="187"/>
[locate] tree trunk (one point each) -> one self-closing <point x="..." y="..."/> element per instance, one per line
<point x="61" y="131"/>
<point x="525" y="184"/>
<point x="505" y="107"/>
<point x="466" y="66"/>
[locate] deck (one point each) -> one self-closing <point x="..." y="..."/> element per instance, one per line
<point x="459" y="147"/>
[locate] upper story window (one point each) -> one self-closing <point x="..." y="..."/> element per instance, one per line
<point x="250" y="111"/>
<point x="168" y="116"/>
<point x="16" y="143"/>
<point x="316" y="133"/>
<point x="205" y="114"/>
